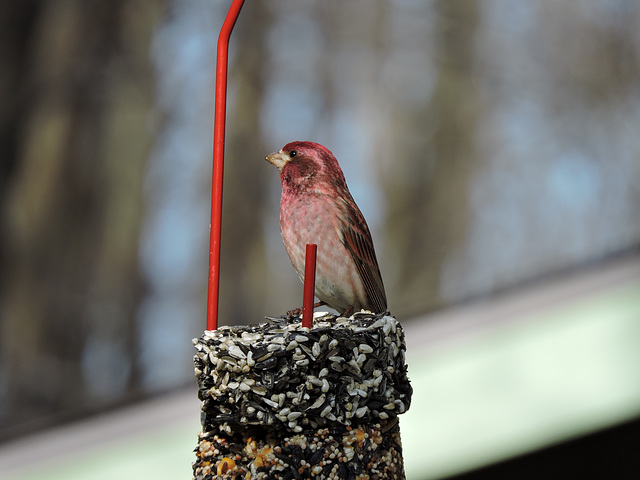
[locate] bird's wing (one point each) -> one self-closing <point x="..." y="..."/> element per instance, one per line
<point x="357" y="239"/>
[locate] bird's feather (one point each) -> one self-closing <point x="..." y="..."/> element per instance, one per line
<point x="357" y="240"/>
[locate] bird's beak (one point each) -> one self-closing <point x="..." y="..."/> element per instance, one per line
<point x="279" y="159"/>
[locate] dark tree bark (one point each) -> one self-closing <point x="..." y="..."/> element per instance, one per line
<point x="76" y="92"/>
<point x="428" y="192"/>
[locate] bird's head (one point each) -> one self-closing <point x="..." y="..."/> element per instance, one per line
<point x="303" y="164"/>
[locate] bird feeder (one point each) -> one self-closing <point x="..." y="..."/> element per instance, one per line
<point x="312" y="397"/>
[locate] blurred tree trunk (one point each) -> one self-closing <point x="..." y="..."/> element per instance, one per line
<point x="243" y="267"/>
<point x="428" y="198"/>
<point x="17" y="23"/>
<point x="76" y="92"/>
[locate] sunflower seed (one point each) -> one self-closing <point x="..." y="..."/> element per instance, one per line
<point x="325" y="411"/>
<point x="361" y="412"/>
<point x="319" y="401"/>
<point x="293" y="415"/>
<point x="259" y="389"/>
<point x="271" y="403"/>
<point x="236" y="352"/>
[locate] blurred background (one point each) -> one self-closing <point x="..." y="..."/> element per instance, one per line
<point x="493" y="147"/>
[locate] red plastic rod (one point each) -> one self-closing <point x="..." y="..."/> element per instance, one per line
<point x="218" y="163"/>
<point x="309" y="285"/>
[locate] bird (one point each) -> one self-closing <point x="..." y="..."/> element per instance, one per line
<point x="316" y="207"/>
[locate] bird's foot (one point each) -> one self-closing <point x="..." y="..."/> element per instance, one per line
<point x="296" y="312"/>
<point x="348" y="312"/>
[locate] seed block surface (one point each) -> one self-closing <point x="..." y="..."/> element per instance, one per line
<point x="282" y="401"/>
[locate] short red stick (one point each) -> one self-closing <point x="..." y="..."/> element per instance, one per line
<point x="309" y="285"/>
<point x="218" y="162"/>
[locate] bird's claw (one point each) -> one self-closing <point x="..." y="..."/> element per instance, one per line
<point x="296" y="312"/>
<point x="348" y="312"/>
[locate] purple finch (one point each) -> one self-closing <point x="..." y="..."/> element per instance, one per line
<point x="316" y="207"/>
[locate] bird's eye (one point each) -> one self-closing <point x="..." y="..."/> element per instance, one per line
<point x="292" y="153"/>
